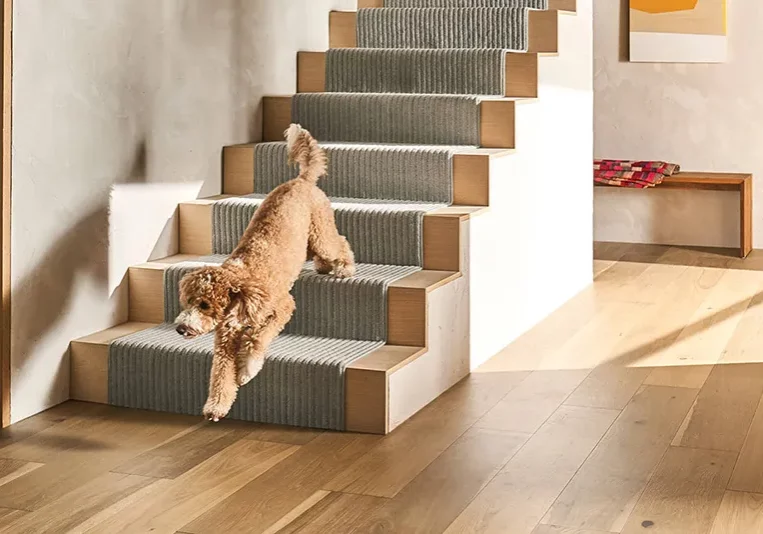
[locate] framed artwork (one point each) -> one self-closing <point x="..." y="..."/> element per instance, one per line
<point x="678" y="31"/>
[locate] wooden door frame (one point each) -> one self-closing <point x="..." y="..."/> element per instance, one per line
<point x="5" y="219"/>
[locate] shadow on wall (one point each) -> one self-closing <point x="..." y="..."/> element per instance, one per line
<point x="45" y="294"/>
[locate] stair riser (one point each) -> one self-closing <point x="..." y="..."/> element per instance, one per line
<point x="471" y="175"/>
<point x="520" y="77"/>
<point x="542" y="32"/>
<point x="553" y="5"/>
<point x="367" y="392"/>
<point x="326" y="307"/>
<point x="441" y="236"/>
<point x="496" y="123"/>
<point x="406" y="306"/>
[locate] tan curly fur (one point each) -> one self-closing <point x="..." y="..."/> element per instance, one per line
<point x="247" y="299"/>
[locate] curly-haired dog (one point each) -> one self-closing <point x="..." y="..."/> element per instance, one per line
<point x="247" y="299"/>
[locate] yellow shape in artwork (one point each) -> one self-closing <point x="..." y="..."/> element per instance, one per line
<point x="663" y="6"/>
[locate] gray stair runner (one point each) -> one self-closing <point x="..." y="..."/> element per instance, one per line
<point x="380" y="232"/>
<point x="473" y="27"/>
<point x="390" y="118"/>
<point x="395" y="172"/>
<point x="302" y="383"/>
<point x="454" y="50"/>
<point x="532" y="4"/>
<point x="353" y="308"/>
<point x="426" y="71"/>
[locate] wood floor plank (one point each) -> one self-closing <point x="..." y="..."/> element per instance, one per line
<point x="533" y="401"/>
<point x="603" y="492"/>
<point x="80" y="450"/>
<point x="684" y="494"/>
<point x="402" y="455"/>
<point x="12" y="469"/>
<point x="748" y="473"/>
<point x="73" y="509"/>
<point x="263" y="502"/>
<point x="294" y="518"/>
<point x="8" y="516"/>
<point x="740" y="513"/>
<point x="284" y="434"/>
<point x="518" y="497"/>
<point x="655" y="332"/>
<point x="439" y="493"/>
<point x="613" y="384"/>
<point x="609" y="386"/>
<point x="183" y="453"/>
<point x="185" y="498"/>
<point x="723" y="411"/>
<point x="688" y="361"/>
<point x="550" y="529"/>
<point x="598" y="340"/>
<point x="338" y="513"/>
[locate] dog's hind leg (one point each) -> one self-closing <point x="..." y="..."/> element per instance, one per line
<point x="251" y="355"/>
<point x="332" y="251"/>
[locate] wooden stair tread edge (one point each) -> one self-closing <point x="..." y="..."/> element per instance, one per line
<point x="388" y="359"/>
<point x="105" y="337"/>
<point x="427" y="280"/>
<point x="470" y="151"/>
<point x="463" y="213"/>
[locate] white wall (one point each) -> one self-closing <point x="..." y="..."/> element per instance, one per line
<point x="704" y="117"/>
<point x="137" y="94"/>
<point x="532" y="251"/>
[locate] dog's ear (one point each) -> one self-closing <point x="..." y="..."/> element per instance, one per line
<point x="249" y="303"/>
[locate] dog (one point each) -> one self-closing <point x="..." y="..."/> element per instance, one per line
<point x="247" y="299"/>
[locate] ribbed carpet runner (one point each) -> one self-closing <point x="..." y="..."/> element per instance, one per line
<point x="395" y="112"/>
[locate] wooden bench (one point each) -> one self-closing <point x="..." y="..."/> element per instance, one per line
<point x="710" y="181"/>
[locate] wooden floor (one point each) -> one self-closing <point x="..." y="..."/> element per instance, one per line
<point x="635" y="408"/>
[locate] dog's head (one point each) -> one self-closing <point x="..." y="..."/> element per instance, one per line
<point x="211" y="294"/>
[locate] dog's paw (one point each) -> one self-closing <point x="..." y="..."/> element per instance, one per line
<point x="249" y="370"/>
<point x="214" y="411"/>
<point x="344" y="270"/>
<point x="321" y="266"/>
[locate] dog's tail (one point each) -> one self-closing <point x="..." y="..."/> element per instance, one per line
<point x="304" y="150"/>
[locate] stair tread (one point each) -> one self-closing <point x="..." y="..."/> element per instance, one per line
<point x="356" y="204"/>
<point x="531" y="4"/>
<point x="427" y="280"/>
<point x="443" y="27"/>
<point x="386" y="357"/>
<point x="104" y="337"/>
<point x="459" y="149"/>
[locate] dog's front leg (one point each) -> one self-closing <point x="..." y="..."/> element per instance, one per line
<point x="222" y="380"/>
<point x="251" y="356"/>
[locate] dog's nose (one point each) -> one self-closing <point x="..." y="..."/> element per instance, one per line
<point x="182" y="329"/>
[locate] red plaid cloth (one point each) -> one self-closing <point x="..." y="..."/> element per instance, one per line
<point x="667" y="169"/>
<point x="638" y="174"/>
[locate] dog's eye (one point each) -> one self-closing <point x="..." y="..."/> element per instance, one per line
<point x="204" y="305"/>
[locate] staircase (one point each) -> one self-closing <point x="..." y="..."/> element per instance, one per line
<point x="414" y="103"/>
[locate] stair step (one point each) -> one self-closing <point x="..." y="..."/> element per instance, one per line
<point x="345" y="305"/>
<point x="394" y="118"/>
<point x="441" y="231"/>
<point x="380" y="232"/>
<point x="486" y="71"/>
<point x="353" y="308"/>
<point x="516" y="29"/>
<point x="458" y="175"/>
<point x="170" y="373"/>
<point x="557" y="5"/>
